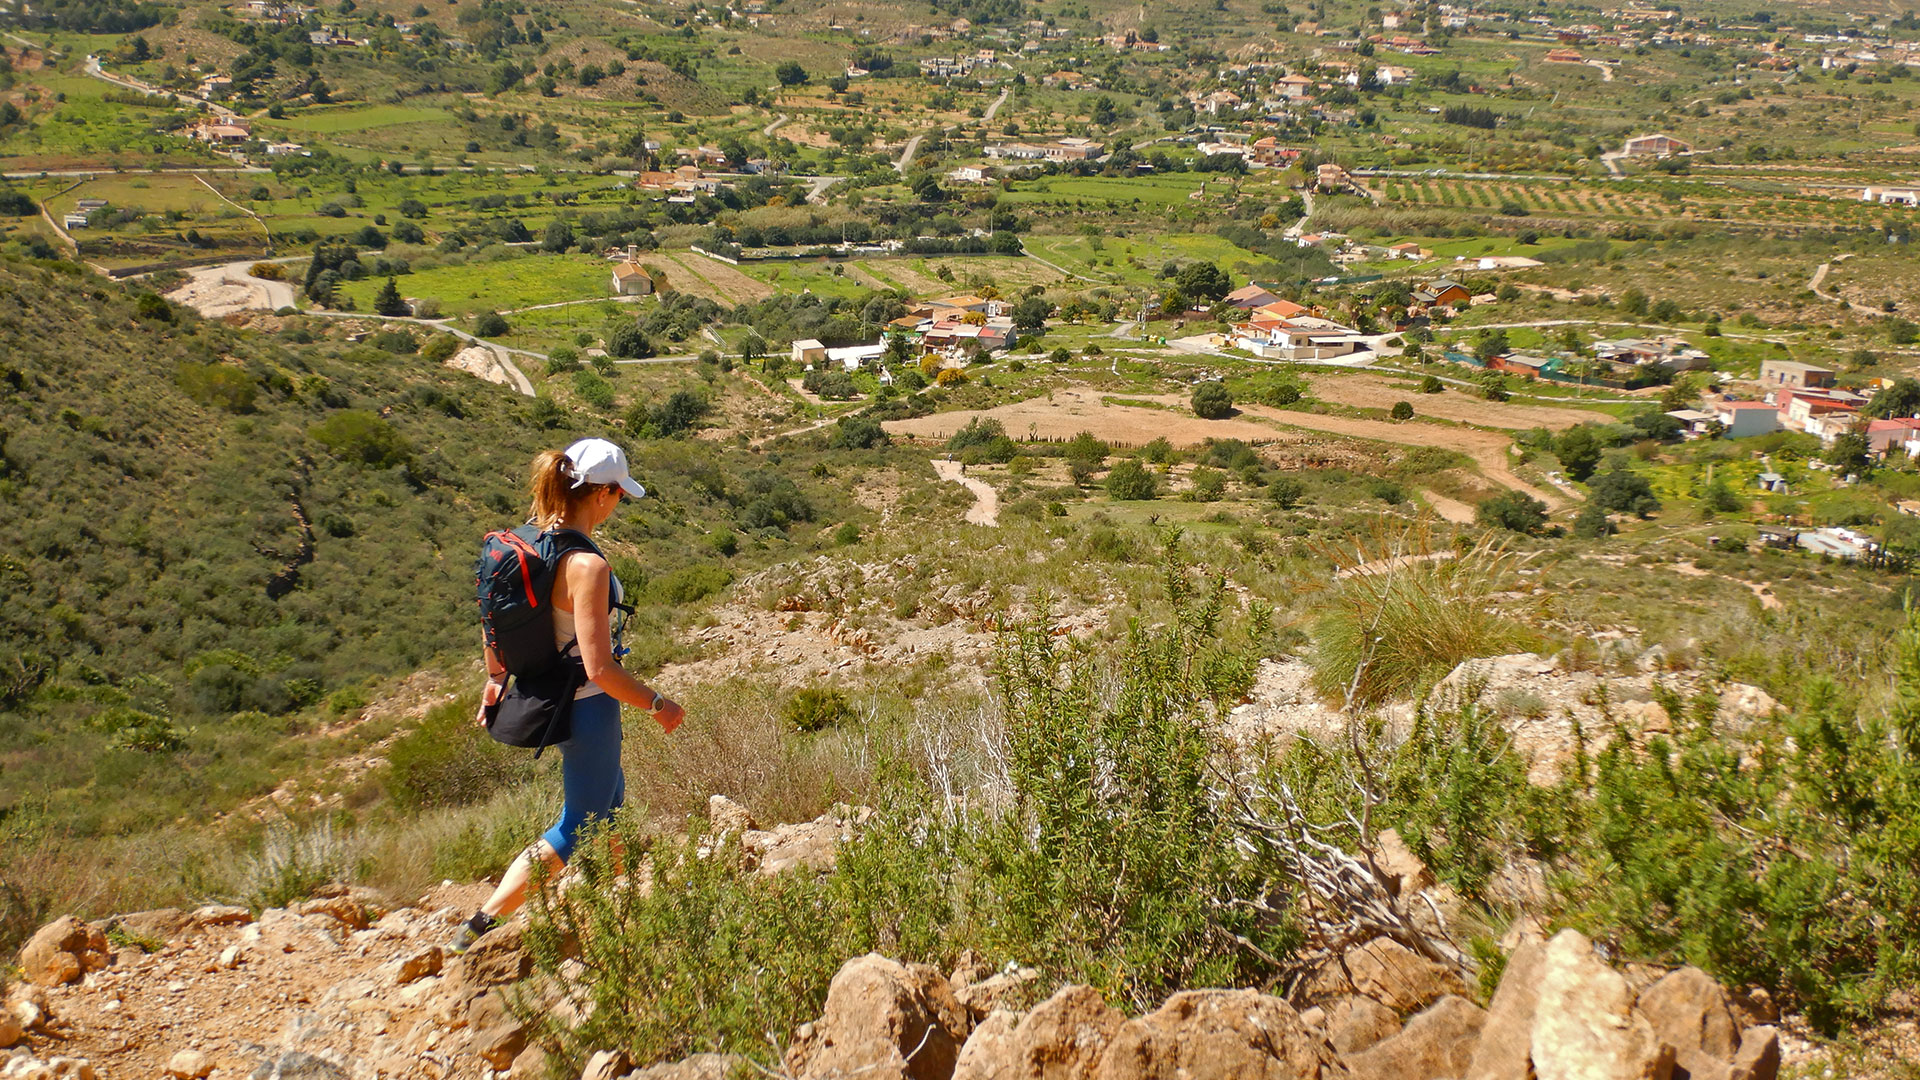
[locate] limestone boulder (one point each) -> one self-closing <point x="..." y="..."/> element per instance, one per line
<point x="1353" y="1023"/>
<point x="62" y="951"/>
<point x="885" y="1020"/>
<point x="160" y="924"/>
<point x="1689" y="1012"/>
<point x="1436" y="1044"/>
<point x="988" y="1053"/>
<point x="499" y="957"/>
<point x="605" y="1065"/>
<point x="1585" y="1026"/>
<point x="1505" y="1049"/>
<point x="1001" y="990"/>
<point x="696" y="1067"/>
<point x="1063" y="1038"/>
<point x="189" y="1065"/>
<point x="1389" y="973"/>
<point x="726" y="817"/>
<point x="1238" y="1033"/>
<point x="1758" y="1057"/>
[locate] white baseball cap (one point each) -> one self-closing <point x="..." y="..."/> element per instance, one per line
<point x="597" y="461"/>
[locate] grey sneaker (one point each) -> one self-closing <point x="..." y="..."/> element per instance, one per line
<point x="463" y="940"/>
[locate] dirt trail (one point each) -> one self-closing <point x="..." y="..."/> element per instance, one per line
<point x="1487" y="449"/>
<point x="1066" y="413"/>
<point x="1451" y="509"/>
<point x="986" y="501"/>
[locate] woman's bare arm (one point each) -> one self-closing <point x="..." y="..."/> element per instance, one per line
<point x="586" y="581"/>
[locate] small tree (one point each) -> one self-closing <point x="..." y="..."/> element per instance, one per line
<point x="790" y="73"/>
<point x="1402" y="410"/>
<point x="1626" y="491"/>
<point x="490" y="324"/>
<point x="1592" y="523"/>
<point x="1432" y="385"/>
<point x="388" y="302"/>
<point x="1849" y="453"/>
<point x="1514" y="511"/>
<point x="1130" y="480"/>
<point x="1212" y="401"/>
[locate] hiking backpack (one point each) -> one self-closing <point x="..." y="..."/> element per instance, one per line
<point x="514" y="581"/>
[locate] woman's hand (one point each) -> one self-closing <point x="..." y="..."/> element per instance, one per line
<point x="669" y="714"/>
<point x="488" y="698"/>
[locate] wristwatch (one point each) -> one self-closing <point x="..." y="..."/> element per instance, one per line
<point x="658" y="697"/>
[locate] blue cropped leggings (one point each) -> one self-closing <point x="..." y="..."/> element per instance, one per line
<point x="590" y="768"/>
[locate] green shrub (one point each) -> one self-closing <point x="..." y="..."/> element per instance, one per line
<point x="1212" y="401"/>
<point x="450" y="761"/>
<point x="816" y="709"/>
<point x="593" y="389"/>
<point x="1129" y="480"/>
<point x="490" y="324"/>
<point x="362" y="437"/>
<point x="689" y="584"/>
<point x="223" y="386"/>
<point x="1513" y="510"/>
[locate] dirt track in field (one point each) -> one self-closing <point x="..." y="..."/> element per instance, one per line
<point x="1068" y="412"/>
<point x="1379" y="392"/>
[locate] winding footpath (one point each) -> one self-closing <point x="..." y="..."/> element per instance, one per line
<point x="986" y="501"/>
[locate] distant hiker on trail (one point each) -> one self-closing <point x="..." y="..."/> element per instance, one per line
<point x="568" y="684"/>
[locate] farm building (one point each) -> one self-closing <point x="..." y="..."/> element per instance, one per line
<point x="1795" y="375"/>
<point x="808" y="351"/>
<point x="1747" y="418"/>
<point x="1655" y="146"/>
<point x="1891" y="196"/>
<point x="631" y="279"/>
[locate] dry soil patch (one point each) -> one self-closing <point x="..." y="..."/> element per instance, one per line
<point x="1378" y="392"/>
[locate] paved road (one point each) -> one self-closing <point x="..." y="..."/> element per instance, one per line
<point x="906" y="155"/>
<point x="777" y="121"/>
<point x="995" y="107"/>
<point x="94" y="70"/>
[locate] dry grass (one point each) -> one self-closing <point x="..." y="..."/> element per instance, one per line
<point x="1402" y="610"/>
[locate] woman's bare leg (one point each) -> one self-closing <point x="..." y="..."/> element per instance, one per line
<point x="513" y="884"/>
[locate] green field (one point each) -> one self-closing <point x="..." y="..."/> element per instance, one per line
<point x="1134" y="260"/>
<point x="1167" y="190"/>
<point x="356" y="118"/>
<point x="516" y="280"/>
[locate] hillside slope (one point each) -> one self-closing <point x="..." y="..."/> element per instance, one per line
<point x="218" y="538"/>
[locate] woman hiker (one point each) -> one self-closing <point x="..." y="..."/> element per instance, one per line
<point x="577" y="489"/>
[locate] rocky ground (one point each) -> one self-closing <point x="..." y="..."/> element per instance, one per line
<point x="346" y="987"/>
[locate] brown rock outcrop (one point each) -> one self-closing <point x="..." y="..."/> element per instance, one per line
<point x="887" y="1020"/>
<point x="1585" y="1026"/>
<point x="1435" y="1044"/>
<point x="1238" y="1033"/>
<point x="1387" y="972"/>
<point x="62" y="951"/>
<point x="1688" y="1011"/>
<point x="1354" y="1023"/>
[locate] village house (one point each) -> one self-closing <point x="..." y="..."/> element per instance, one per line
<point x="1693" y="422"/>
<point x="1891" y="196"/>
<point x="1884" y="435"/>
<point x="1409" y="250"/>
<point x="1743" y="419"/>
<point x="1294" y="87"/>
<point x="1794" y="375"/>
<point x="1659" y="146"/>
<point x="808" y="351"/>
<point x="1302" y="337"/>
<point x="1331" y="177"/>
<point x="630" y="278"/>
<point x="1248" y="297"/>
<point x="971" y="174"/>
<point x="1443" y="292"/>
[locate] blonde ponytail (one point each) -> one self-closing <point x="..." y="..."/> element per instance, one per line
<point x="553" y="490"/>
